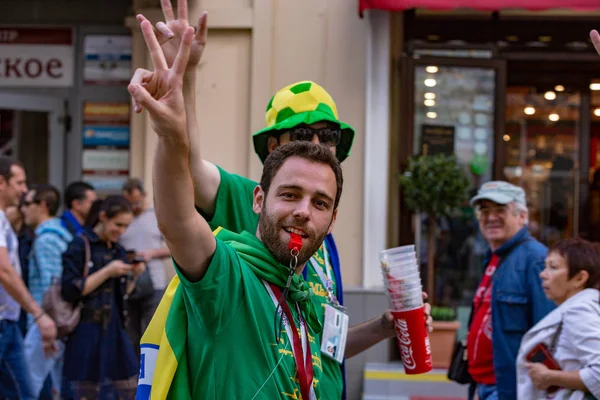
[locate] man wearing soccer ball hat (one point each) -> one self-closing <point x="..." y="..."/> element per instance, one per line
<point x="301" y="111"/>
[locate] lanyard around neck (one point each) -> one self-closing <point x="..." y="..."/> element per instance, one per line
<point x="326" y="280"/>
<point x="300" y="346"/>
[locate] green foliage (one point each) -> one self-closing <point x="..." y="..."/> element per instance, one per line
<point x="434" y="184"/>
<point x="443" y="313"/>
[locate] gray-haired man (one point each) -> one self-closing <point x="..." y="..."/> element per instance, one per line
<point x="510" y="298"/>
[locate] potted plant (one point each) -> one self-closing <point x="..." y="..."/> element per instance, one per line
<point x="436" y="185"/>
<point x="443" y="337"/>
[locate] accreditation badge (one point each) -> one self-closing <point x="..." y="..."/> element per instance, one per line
<point x="335" y="333"/>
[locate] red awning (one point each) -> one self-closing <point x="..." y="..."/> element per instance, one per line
<point x="485" y="5"/>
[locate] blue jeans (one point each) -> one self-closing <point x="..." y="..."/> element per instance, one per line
<point x="40" y="366"/>
<point x="14" y="374"/>
<point x="487" y="392"/>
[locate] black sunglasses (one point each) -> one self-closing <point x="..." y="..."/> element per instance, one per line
<point x="327" y="136"/>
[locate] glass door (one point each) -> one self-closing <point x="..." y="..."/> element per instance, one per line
<point x="31" y="131"/>
<point x="541" y="148"/>
<point x="453" y="106"/>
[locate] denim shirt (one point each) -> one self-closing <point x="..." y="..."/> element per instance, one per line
<point x="110" y="291"/>
<point x="518" y="303"/>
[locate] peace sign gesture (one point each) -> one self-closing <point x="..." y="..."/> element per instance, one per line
<point x="170" y="32"/>
<point x="160" y="92"/>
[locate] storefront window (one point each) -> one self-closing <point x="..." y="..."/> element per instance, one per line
<point x="454" y="113"/>
<point x="461" y="101"/>
<point x="593" y="203"/>
<point x="540" y="151"/>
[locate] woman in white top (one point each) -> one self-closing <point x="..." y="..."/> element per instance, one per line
<point x="571" y="332"/>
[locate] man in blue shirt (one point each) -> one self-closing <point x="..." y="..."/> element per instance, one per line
<point x="79" y="197"/>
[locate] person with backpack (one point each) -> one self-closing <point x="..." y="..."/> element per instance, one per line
<point x="40" y="208"/>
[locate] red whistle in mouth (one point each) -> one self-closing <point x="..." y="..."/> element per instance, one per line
<point x="295" y="242"/>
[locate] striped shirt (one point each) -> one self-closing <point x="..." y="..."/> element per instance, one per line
<point x="45" y="261"/>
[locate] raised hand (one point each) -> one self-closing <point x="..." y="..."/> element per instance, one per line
<point x="595" y="36"/>
<point x="170" y="32"/>
<point x="160" y="92"/>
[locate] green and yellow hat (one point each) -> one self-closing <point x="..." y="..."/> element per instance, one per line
<point x="301" y="103"/>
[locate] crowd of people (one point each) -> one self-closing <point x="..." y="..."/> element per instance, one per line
<point x="107" y="255"/>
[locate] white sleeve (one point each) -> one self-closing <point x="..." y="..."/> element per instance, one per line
<point x="4" y="229"/>
<point x="582" y="326"/>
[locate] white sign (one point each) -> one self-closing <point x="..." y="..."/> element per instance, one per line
<point x="107" y="59"/>
<point x="36" y="57"/>
<point x="105" y="160"/>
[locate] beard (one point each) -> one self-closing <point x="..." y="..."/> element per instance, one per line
<point x="270" y="232"/>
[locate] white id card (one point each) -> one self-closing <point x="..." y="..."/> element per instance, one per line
<point x="335" y="333"/>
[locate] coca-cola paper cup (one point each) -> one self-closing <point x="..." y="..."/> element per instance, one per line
<point x="413" y="294"/>
<point x="400" y="259"/>
<point x="399" y="272"/>
<point x="394" y="275"/>
<point x="398" y="285"/>
<point x="406" y="304"/>
<point x="413" y="341"/>
<point x="397" y="251"/>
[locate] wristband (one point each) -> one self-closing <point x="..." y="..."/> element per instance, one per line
<point x="40" y="315"/>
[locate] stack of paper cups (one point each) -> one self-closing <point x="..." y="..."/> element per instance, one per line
<point x="405" y="291"/>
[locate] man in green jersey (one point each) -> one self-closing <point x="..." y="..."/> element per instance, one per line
<point x="301" y="111"/>
<point x="234" y="284"/>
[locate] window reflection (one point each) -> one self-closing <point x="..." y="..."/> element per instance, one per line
<point x="593" y="204"/>
<point x="454" y="114"/>
<point x="541" y="156"/>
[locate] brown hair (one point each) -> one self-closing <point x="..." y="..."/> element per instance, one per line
<point x="112" y="206"/>
<point x="49" y="195"/>
<point x="307" y="150"/>
<point x="580" y="255"/>
<point x="6" y="164"/>
<point x="132" y="184"/>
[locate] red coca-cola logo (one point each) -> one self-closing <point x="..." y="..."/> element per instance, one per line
<point x="406" y="350"/>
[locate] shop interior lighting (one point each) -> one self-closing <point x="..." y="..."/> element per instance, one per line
<point x="595" y="86"/>
<point x="431" y="115"/>
<point x="430" y="82"/>
<point x="559" y="88"/>
<point x="432" y="69"/>
<point x="506" y="138"/>
<point x="429" y="103"/>
<point x="597" y="112"/>
<point x="529" y="110"/>
<point x="550" y="95"/>
<point x="553" y="117"/>
<point x="430" y="96"/>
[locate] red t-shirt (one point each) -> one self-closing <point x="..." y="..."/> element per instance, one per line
<point x="479" y="340"/>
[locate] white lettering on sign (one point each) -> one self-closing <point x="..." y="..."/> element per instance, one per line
<point x="406" y="350"/>
<point x="36" y="65"/>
